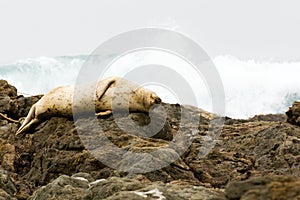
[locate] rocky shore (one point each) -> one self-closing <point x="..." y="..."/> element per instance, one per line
<point x="258" y="158"/>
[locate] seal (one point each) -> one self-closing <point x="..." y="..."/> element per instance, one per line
<point x="110" y="94"/>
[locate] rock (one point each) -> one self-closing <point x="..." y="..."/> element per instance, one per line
<point x="115" y="188"/>
<point x="274" y="187"/>
<point x="8" y="95"/>
<point x="25" y="103"/>
<point x="11" y="104"/>
<point x="172" y="192"/>
<point x="294" y="114"/>
<point x="6" y="185"/>
<point x="62" y="188"/>
<point x="8" y="153"/>
<point x="59" y="160"/>
<point x="104" y="188"/>
<point x="248" y="149"/>
<point x="4" y="195"/>
<point x="269" y="118"/>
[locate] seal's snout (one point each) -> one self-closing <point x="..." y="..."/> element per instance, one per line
<point x="156" y="99"/>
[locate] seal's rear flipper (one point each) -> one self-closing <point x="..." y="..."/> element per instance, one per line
<point x="27" y="126"/>
<point x="29" y="121"/>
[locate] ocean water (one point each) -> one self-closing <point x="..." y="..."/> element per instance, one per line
<point x="250" y="87"/>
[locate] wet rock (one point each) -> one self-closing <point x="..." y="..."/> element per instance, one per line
<point x="293" y="114"/>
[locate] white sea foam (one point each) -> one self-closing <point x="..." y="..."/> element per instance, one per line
<point x="251" y="87"/>
<point x="39" y="75"/>
<point x="258" y="87"/>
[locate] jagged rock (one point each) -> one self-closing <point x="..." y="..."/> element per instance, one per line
<point x="248" y="149"/>
<point x="194" y="157"/>
<point x="275" y="187"/>
<point x="294" y="114"/>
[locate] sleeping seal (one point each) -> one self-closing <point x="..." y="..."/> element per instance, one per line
<point x="110" y="94"/>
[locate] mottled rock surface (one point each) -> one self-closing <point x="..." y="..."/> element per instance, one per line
<point x="58" y="159"/>
<point x="269" y="187"/>
<point x="77" y="188"/>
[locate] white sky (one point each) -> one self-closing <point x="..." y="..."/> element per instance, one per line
<point x="256" y="29"/>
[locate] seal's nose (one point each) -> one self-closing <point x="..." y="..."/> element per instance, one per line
<point x="157" y="100"/>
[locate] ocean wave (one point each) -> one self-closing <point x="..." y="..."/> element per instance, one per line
<point x="39" y="75"/>
<point x="251" y="87"/>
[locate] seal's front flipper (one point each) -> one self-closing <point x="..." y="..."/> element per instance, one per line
<point x="101" y="89"/>
<point x="104" y="113"/>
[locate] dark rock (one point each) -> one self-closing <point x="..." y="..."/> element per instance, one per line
<point x="294" y="114"/>
<point x="11" y="104"/>
<point x="25" y="103"/>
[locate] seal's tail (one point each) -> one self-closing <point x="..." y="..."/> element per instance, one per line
<point x="29" y="120"/>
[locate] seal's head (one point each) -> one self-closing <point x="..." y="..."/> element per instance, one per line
<point x="142" y="100"/>
<point x="128" y="96"/>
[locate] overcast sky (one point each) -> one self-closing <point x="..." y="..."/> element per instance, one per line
<point x="253" y="29"/>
